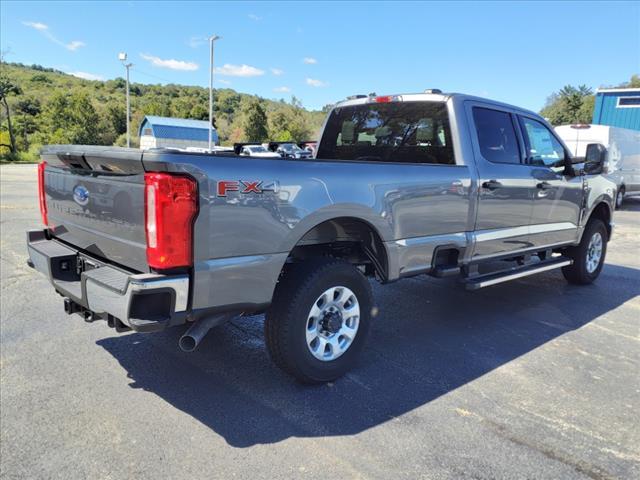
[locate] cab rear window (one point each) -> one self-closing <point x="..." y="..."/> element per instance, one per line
<point x="408" y="132"/>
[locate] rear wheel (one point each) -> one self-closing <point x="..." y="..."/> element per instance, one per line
<point x="588" y="257"/>
<point x="318" y="320"/>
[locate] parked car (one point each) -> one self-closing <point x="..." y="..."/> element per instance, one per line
<point x="215" y="148"/>
<point x="403" y="185"/>
<point x="622" y="164"/>
<point x="290" y="150"/>
<point x="309" y="145"/>
<point x="257" y="151"/>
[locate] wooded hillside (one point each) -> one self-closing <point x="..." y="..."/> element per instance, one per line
<point x="49" y="106"/>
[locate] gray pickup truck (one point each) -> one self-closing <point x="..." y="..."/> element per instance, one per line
<point x="402" y="185"/>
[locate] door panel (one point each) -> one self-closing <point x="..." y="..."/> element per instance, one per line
<point x="506" y="186"/>
<point x="557" y="199"/>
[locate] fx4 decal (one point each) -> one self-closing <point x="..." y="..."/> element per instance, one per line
<point x="245" y="186"/>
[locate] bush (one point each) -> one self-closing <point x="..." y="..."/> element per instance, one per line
<point x="20" y="157"/>
<point x="121" y="141"/>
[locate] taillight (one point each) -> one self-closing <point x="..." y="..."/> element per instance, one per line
<point x="41" y="196"/>
<point x="171" y="204"/>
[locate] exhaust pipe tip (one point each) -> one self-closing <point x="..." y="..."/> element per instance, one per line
<point x="196" y="332"/>
<point x="187" y="343"/>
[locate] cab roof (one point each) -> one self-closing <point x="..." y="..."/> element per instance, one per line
<point x="427" y="96"/>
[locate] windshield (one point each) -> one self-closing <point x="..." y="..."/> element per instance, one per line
<point x="415" y="132"/>
<point x="257" y="149"/>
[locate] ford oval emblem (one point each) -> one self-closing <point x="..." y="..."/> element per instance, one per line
<point x="81" y="195"/>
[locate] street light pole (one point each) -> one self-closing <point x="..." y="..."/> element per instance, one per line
<point x="212" y="39"/>
<point x="123" y="57"/>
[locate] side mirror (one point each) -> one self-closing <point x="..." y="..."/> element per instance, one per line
<point x="594" y="159"/>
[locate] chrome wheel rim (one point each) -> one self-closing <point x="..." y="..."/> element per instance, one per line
<point x="332" y="323"/>
<point x="594" y="252"/>
<point x="619" y="198"/>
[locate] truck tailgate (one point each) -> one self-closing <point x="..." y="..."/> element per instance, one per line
<point x="95" y="201"/>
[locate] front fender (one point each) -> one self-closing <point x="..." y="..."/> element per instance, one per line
<point x="601" y="191"/>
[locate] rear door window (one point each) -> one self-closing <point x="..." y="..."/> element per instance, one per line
<point x="411" y="132"/>
<point x="496" y="135"/>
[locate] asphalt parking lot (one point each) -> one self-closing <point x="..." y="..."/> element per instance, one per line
<point x="531" y="379"/>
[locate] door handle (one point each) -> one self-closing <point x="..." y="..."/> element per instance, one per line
<point x="491" y="185"/>
<point x="544" y="185"/>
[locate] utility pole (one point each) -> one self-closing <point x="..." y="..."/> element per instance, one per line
<point x="123" y="58"/>
<point x="212" y="39"/>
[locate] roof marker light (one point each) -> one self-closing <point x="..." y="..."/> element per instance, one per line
<point x="387" y="99"/>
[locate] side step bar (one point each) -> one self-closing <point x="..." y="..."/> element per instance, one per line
<point x="481" y="281"/>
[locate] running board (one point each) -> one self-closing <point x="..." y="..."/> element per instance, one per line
<point x="489" y="279"/>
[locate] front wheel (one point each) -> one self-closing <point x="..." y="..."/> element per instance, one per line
<point x="620" y="197"/>
<point x="319" y="319"/>
<point x="588" y="256"/>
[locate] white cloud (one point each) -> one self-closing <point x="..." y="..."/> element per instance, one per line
<point x="254" y="17"/>
<point x="277" y="72"/>
<point x="239" y="70"/>
<point x="44" y="29"/>
<point x="309" y="60"/>
<point x="36" y="25"/>
<point x="86" y="76"/>
<point x="316" y="83"/>
<point x="73" y="46"/>
<point x="222" y="81"/>
<point x="282" y="89"/>
<point x="171" y="63"/>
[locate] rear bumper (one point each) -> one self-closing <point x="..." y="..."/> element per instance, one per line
<point x="143" y="302"/>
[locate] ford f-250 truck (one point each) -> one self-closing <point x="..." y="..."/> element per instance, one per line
<point x="402" y="185"/>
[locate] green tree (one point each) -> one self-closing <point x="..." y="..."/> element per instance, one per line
<point x="157" y="107"/>
<point x="254" y="122"/>
<point x="634" y="82"/>
<point x="73" y="119"/>
<point x="569" y="105"/>
<point x="117" y="117"/>
<point x="7" y="87"/>
<point x="199" y="112"/>
<point x="279" y="126"/>
<point x="27" y="109"/>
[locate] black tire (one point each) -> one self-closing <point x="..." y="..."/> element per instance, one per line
<point x="298" y="289"/>
<point x="620" y="197"/>
<point x="578" y="273"/>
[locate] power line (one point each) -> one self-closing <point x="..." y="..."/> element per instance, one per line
<point x="152" y="76"/>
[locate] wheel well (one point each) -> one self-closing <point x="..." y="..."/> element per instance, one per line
<point x="349" y="238"/>
<point x="602" y="212"/>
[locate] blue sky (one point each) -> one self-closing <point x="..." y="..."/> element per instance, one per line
<point x="323" y="52"/>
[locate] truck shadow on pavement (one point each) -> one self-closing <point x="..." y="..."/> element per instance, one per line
<point x="631" y="204"/>
<point x="430" y="338"/>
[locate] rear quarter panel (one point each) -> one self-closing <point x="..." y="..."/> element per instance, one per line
<point x="243" y="238"/>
